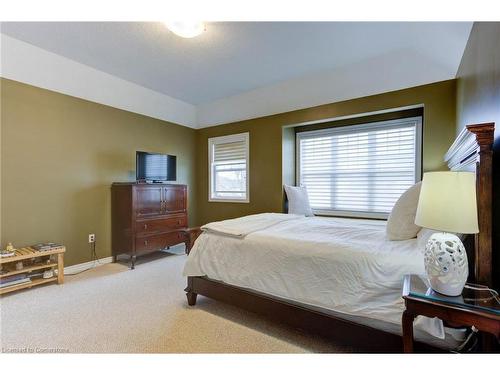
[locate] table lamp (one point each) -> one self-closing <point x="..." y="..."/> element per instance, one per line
<point x="447" y="203"/>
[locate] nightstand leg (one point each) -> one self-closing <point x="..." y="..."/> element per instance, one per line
<point x="487" y="342"/>
<point x="60" y="268"/>
<point x="408" y="332"/>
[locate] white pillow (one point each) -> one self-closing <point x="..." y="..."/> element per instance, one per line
<point x="298" y="200"/>
<point x="401" y="223"/>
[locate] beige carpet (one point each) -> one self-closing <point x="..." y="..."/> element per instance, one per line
<point x="111" y="309"/>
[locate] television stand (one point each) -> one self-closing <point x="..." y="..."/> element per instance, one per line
<point x="147" y="217"/>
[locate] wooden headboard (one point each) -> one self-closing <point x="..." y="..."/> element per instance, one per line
<point x="472" y="151"/>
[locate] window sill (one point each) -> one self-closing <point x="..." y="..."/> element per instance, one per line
<point x="229" y="200"/>
<point x="352" y="214"/>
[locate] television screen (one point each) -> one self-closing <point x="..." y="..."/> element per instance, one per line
<point x="155" y="167"/>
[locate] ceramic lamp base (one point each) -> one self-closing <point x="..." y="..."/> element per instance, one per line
<point x="446" y="264"/>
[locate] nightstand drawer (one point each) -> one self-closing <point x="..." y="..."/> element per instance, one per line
<point x="160" y="225"/>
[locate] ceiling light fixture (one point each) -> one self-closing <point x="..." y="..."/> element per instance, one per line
<point x="186" y="29"/>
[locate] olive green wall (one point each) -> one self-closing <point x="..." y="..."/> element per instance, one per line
<point x="59" y="156"/>
<point x="478" y="77"/>
<point x="478" y="101"/>
<point x="266" y="135"/>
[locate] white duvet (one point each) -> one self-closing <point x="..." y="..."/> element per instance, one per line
<point x="343" y="265"/>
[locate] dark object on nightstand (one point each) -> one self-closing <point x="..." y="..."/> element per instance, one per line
<point x="147" y="217"/>
<point x="477" y="306"/>
<point x="191" y="235"/>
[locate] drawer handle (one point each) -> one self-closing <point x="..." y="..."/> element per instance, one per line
<point x="145" y="226"/>
<point x="146" y="242"/>
<point x="179" y="222"/>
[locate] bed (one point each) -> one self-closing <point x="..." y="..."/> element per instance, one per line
<point x="336" y="277"/>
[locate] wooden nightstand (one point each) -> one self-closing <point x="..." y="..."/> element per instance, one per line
<point x="191" y="235"/>
<point x="477" y="308"/>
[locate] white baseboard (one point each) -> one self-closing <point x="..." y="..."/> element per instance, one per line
<point x="102" y="261"/>
<point x="87" y="265"/>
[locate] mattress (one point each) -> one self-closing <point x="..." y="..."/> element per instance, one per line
<point x="344" y="265"/>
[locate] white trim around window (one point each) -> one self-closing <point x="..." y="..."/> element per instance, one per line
<point x="359" y="170"/>
<point x="228" y="168"/>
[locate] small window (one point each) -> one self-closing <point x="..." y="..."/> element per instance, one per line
<point x="360" y="170"/>
<point x="228" y="159"/>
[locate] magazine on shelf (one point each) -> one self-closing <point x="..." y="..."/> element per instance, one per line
<point x="15" y="282"/>
<point x="46" y="246"/>
<point x="10" y="278"/>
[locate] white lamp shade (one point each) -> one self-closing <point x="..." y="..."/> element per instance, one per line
<point x="447" y="202"/>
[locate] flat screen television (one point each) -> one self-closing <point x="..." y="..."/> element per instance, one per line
<point x="151" y="167"/>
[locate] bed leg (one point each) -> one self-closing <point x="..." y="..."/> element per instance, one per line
<point x="191" y="296"/>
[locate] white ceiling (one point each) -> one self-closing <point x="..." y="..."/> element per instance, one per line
<point x="232" y="58"/>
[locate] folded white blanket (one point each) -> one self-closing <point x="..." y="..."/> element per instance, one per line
<point x="242" y="226"/>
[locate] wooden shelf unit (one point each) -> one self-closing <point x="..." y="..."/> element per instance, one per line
<point x="30" y="253"/>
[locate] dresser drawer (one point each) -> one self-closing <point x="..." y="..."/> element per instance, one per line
<point x="158" y="242"/>
<point x="160" y="225"/>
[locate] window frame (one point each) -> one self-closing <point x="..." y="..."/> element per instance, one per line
<point x="211" y="176"/>
<point x="346" y="129"/>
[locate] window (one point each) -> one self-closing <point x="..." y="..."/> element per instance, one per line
<point x="228" y="166"/>
<point x="360" y="170"/>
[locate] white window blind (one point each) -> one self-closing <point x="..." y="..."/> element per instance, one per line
<point x="359" y="170"/>
<point x="228" y="159"/>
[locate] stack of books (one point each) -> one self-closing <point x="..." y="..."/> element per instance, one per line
<point x="46" y="246"/>
<point x="6" y="253"/>
<point x="14" y="280"/>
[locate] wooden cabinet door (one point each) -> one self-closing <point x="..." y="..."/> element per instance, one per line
<point x="174" y="198"/>
<point x="148" y="200"/>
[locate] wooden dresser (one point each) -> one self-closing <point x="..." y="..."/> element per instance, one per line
<point x="147" y="217"/>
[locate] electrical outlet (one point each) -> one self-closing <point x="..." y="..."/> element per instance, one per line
<point x="91" y="238"/>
